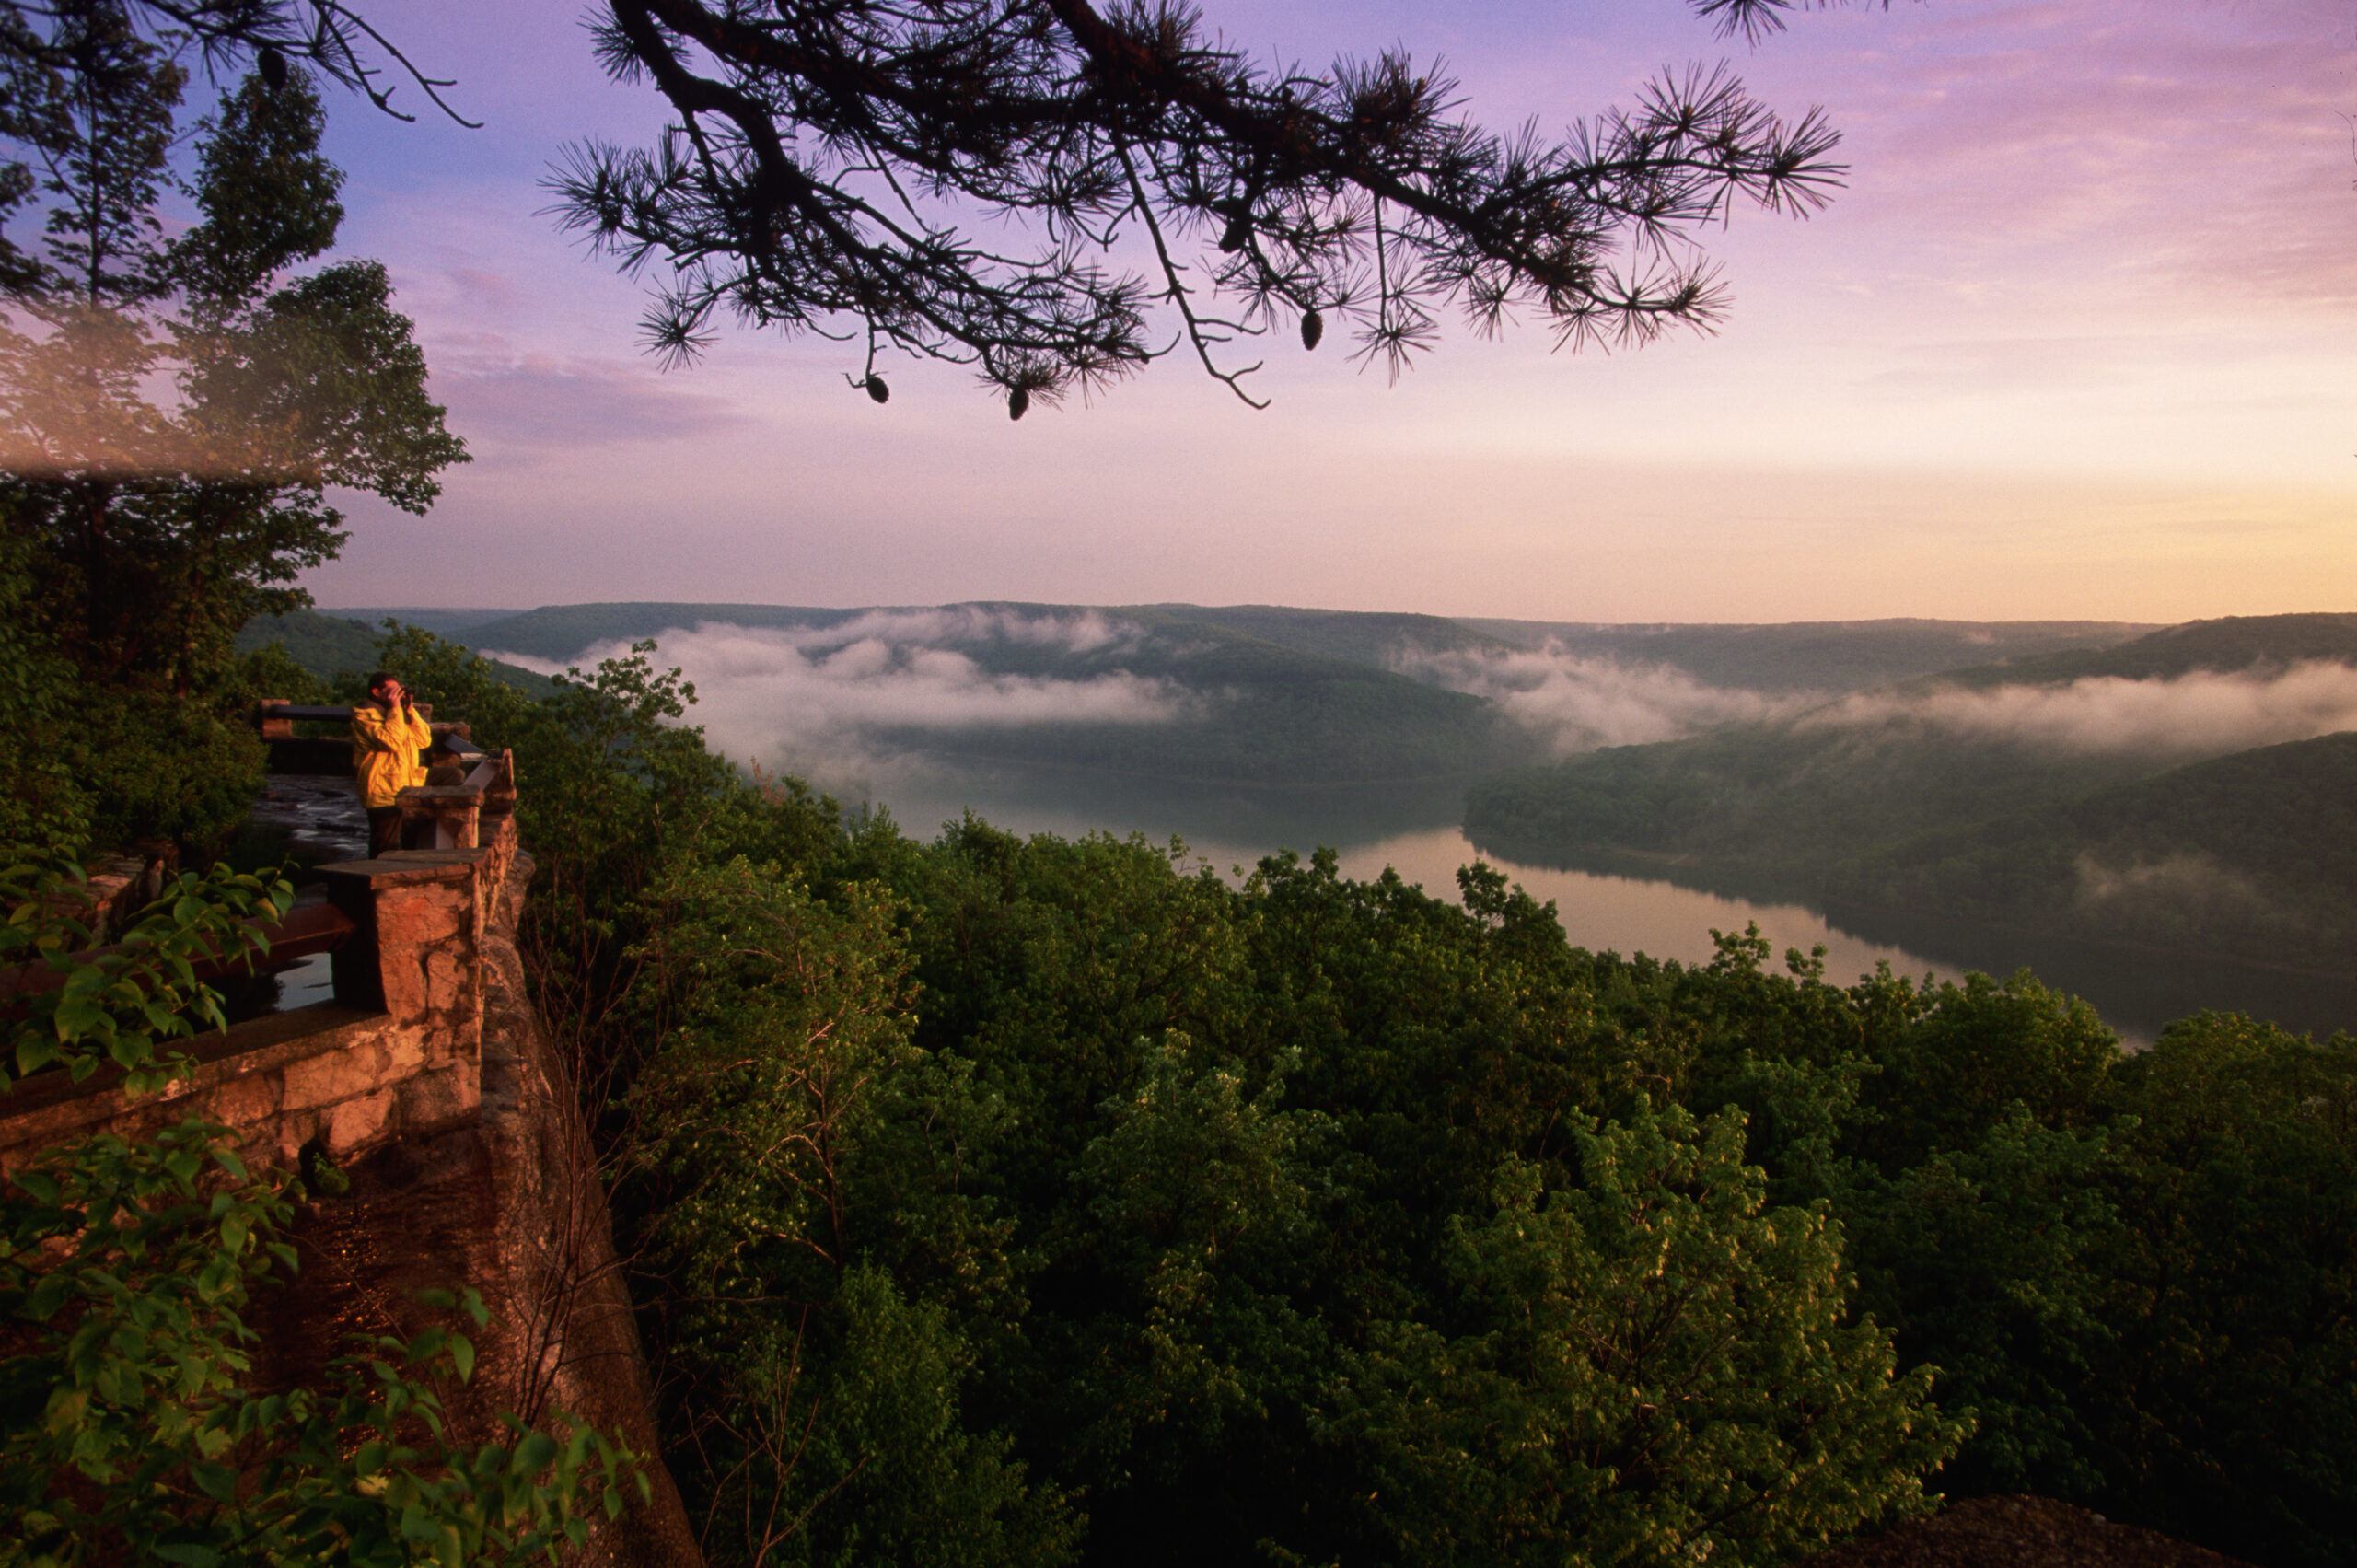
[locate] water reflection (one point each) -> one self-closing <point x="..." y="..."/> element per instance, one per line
<point x="1633" y="915"/>
<point x="300" y="822"/>
<point x="313" y="820"/>
<point x="2137" y="989"/>
<point x="1667" y="912"/>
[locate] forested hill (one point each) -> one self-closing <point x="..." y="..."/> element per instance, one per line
<point x="1827" y="657"/>
<point x="1787" y="798"/>
<point x="2231" y="644"/>
<point x="1352" y="636"/>
<point x="1374" y="639"/>
<point x="1288" y="696"/>
<point x="1265" y="694"/>
<point x="331" y="647"/>
<point x="568" y="631"/>
<point x="2254" y="854"/>
<point x="1815" y="656"/>
<point x="1252" y="710"/>
<point x="1256" y="695"/>
<point x="2059" y="792"/>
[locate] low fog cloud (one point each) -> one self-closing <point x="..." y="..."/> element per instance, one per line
<point x="1575" y="704"/>
<point x="2175" y="882"/>
<point x="2205" y="713"/>
<point x="1086" y="631"/>
<point x="838" y="703"/>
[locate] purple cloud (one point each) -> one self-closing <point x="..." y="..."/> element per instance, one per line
<point x="530" y="406"/>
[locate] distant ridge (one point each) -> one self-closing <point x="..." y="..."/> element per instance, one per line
<point x="2228" y="645"/>
<point x="2173" y="832"/>
<point x="557" y="632"/>
<point x="1816" y="656"/>
<point x="1273" y="696"/>
<point x="567" y="631"/>
<point x="2252" y="854"/>
<point x="329" y="645"/>
<point x="1355" y="636"/>
<point x="1830" y="656"/>
<point x="442" y="622"/>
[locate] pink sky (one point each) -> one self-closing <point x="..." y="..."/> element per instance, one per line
<point x="2077" y="341"/>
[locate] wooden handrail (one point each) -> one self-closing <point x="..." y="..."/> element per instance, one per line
<point x="324" y="755"/>
<point x="333" y="713"/>
<point x="325" y="712"/>
<point x="314" y="928"/>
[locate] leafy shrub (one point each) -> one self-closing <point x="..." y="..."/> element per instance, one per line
<point x="121" y="1006"/>
<point x="125" y="1433"/>
<point x="163" y="767"/>
<point x="126" y="1429"/>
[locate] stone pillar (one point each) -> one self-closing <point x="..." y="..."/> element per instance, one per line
<point x="499" y="792"/>
<point x="417" y="956"/>
<point x="453" y="810"/>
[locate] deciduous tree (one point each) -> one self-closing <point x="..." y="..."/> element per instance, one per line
<point x="161" y="525"/>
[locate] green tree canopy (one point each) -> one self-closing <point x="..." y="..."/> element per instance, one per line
<point x="161" y="525"/>
<point x="175" y="411"/>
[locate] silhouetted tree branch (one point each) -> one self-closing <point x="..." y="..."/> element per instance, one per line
<point x="335" y="39"/>
<point x="835" y="164"/>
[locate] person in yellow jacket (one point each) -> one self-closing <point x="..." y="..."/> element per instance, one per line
<point x="387" y="738"/>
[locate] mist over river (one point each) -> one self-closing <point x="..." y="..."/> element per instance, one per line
<point x="1626" y="907"/>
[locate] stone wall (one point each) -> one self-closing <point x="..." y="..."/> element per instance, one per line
<point x="398" y="1053"/>
<point x="511" y="1202"/>
<point x="431" y="1086"/>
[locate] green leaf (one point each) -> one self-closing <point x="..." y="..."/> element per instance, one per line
<point x="216" y="1480"/>
<point x="534" y="1454"/>
<point x="48" y="1295"/>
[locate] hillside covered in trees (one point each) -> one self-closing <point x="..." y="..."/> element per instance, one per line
<point x="1257" y="694"/>
<point x="335" y="649"/>
<point x="1163" y="693"/>
<point x="2253" y="853"/>
<point x="2092" y="792"/>
<point x="1819" y="657"/>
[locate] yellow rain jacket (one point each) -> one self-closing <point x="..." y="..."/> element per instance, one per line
<point x="385" y="747"/>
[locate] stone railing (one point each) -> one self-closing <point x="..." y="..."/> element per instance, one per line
<point x="430" y="1082"/>
<point x="396" y="1053"/>
<point x="466" y="787"/>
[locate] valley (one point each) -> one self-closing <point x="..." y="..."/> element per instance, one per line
<point x="2144" y="816"/>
